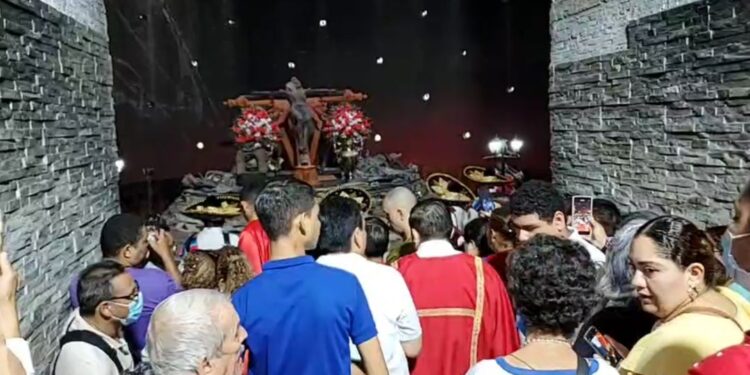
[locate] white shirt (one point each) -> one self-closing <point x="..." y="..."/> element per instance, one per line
<point x="491" y="367"/>
<point x="391" y="305"/>
<point x="597" y="256"/>
<point x="20" y="349"/>
<point x="77" y="358"/>
<point x="212" y="238"/>
<point x="436" y="249"/>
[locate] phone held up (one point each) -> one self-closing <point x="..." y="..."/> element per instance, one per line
<point x="155" y="223"/>
<point x="583" y="214"/>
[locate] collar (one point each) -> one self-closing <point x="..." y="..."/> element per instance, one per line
<point x="286" y="263"/>
<point x="436" y="249"/>
<point x="82" y="324"/>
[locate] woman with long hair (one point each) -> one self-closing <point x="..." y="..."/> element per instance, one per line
<point x="677" y="278"/>
<point x="618" y="315"/>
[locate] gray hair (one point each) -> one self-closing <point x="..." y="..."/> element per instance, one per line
<point x="614" y="284"/>
<point x="184" y="331"/>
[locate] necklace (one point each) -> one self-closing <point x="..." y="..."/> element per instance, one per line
<point x="551" y="340"/>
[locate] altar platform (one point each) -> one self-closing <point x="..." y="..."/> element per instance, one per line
<point x="375" y="175"/>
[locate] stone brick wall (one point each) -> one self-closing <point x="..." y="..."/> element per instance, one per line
<point x="58" y="179"/>
<point x="664" y="124"/>
<point x="588" y="28"/>
<point x="90" y="13"/>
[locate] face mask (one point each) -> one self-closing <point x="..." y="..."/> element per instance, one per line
<point x="740" y="276"/>
<point x="135" y="308"/>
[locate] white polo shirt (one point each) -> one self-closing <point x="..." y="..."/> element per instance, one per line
<point x="391" y="305"/>
<point x="77" y="358"/>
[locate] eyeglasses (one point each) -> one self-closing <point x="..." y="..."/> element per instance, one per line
<point x="133" y="295"/>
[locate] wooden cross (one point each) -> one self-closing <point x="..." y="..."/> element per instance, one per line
<point x="279" y="108"/>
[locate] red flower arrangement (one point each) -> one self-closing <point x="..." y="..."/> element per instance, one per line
<point x="255" y="125"/>
<point x="347" y="122"/>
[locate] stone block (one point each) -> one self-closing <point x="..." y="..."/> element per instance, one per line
<point x="39" y="150"/>
<point x="687" y="111"/>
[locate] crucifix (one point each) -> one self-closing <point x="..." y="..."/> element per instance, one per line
<point x="299" y="112"/>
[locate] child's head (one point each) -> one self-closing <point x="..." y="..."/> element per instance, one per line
<point x="232" y="269"/>
<point x="199" y="271"/>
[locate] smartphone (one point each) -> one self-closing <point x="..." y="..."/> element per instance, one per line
<point x="583" y="214"/>
<point x="602" y="346"/>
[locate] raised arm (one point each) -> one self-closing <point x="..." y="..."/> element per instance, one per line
<point x="162" y="244"/>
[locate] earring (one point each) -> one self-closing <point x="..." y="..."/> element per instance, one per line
<point x="692" y="292"/>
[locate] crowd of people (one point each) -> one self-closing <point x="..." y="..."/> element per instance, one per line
<point x="515" y="291"/>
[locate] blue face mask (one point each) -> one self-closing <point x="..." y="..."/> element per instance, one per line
<point x="739" y="275"/>
<point x="135" y="308"/>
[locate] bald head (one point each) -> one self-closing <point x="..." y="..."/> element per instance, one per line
<point x="397" y="205"/>
<point x="400" y="197"/>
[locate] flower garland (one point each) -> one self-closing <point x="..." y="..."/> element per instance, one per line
<point x="347" y="122"/>
<point x="255" y="125"/>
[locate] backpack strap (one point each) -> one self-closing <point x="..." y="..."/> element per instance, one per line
<point x="227" y="242"/>
<point x="583" y="366"/>
<point x="94" y="340"/>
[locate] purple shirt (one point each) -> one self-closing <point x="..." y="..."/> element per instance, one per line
<point x="156" y="285"/>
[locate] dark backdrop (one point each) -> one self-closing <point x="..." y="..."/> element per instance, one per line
<point x="175" y="61"/>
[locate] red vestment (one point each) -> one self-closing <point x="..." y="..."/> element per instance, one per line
<point x="499" y="262"/>
<point x="459" y="326"/>
<point x="255" y="244"/>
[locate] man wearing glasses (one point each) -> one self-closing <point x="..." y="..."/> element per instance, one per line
<point x="93" y="343"/>
<point x="126" y="239"/>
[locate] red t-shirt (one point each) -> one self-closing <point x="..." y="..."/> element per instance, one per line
<point x="733" y="360"/>
<point x="255" y="244"/>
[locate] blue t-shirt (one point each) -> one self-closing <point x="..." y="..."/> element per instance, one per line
<point x="299" y="316"/>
